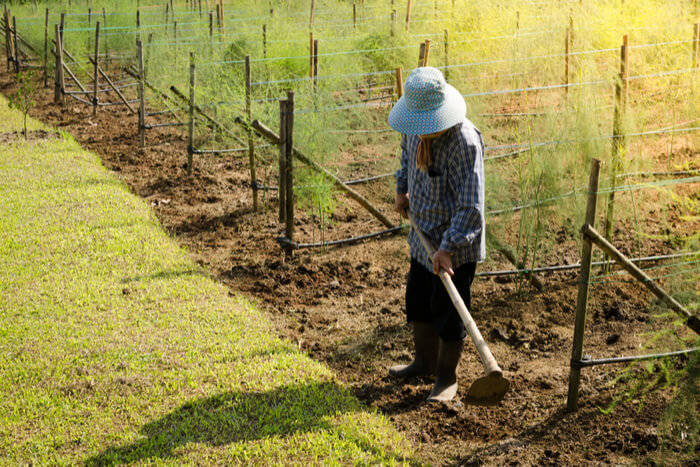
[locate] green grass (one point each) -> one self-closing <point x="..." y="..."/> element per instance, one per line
<point x="116" y="347"/>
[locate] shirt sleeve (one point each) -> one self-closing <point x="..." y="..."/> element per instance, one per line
<point x="466" y="178"/>
<point x="401" y="174"/>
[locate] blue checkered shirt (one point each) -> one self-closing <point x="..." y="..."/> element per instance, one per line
<point x="447" y="201"/>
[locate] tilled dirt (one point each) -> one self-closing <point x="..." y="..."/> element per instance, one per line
<point x="344" y="306"/>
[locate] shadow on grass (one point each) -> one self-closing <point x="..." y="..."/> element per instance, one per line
<point x="165" y="275"/>
<point x="237" y="416"/>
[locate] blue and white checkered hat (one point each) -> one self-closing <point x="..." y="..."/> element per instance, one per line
<point x="428" y="105"/>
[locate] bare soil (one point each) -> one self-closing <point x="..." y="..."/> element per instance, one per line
<point x="344" y="306"/>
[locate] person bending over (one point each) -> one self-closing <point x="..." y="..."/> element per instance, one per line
<point x="441" y="183"/>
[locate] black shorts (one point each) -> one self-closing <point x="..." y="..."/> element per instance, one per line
<point x="427" y="299"/>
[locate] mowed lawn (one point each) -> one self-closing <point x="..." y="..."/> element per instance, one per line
<point x="115" y="347"/>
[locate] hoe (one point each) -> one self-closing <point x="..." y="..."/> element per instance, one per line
<point x="489" y="389"/>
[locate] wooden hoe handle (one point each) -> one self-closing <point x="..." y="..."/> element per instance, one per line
<point x="490" y="364"/>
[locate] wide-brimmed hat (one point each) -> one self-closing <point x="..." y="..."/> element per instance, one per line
<point x="428" y="105"/>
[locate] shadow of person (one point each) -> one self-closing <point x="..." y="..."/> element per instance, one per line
<point x="236" y="416"/>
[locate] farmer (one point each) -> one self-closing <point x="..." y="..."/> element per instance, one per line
<point x="441" y="183"/>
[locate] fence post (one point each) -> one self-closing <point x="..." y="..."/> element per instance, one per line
<point x="447" y="56"/>
<point x="249" y="130"/>
<point x="618" y="142"/>
<point x="696" y="51"/>
<point x="408" y="15"/>
<point x="289" y="168"/>
<point x="427" y="52"/>
<point x="582" y="299"/>
<point x="421" y="54"/>
<point x="8" y="39"/>
<point x="315" y="61"/>
<point x="211" y="26"/>
<point x="311" y="14"/>
<point x="393" y="22"/>
<point x="142" y="96"/>
<point x="59" y="85"/>
<point x="282" y="182"/>
<point x="97" y="60"/>
<point x="15" y="41"/>
<point x="46" y="48"/>
<point x="354" y="16"/>
<point x="190" y="145"/>
<point x="62" y="25"/>
<point x="311" y="54"/>
<point x="264" y="40"/>
<point x="567" y="42"/>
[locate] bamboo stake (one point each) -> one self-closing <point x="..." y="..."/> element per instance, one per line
<point x="251" y="141"/>
<point x="270" y="135"/>
<point x="142" y="94"/>
<point x="46" y="48"/>
<point x="399" y="82"/>
<point x="282" y="178"/>
<point x="618" y="143"/>
<point x="640" y="275"/>
<point x="289" y="177"/>
<point x="96" y="63"/>
<point x="583" y="283"/>
<point x="408" y="15"/>
<point x="190" y="145"/>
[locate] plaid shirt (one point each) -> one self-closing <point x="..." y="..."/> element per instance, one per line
<point x="447" y="201"/>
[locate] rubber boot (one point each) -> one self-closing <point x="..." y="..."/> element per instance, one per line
<point x="425" y="339"/>
<point x="445" y="387"/>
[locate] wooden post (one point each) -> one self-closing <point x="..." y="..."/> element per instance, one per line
<point x="15" y="43"/>
<point x="567" y="40"/>
<point x="62" y="25"/>
<point x="190" y="145"/>
<point x="211" y="26"/>
<point x="399" y="82"/>
<point x="421" y="54"/>
<point x="582" y="299"/>
<point x="97" y="61"/>
<point x="315" y="60"/>
<point x="393" y="23"/>
<point x="618" y="142"/>
<point x="311" y="54"/>
<point x="59" y="86"/>
<point x="354" y="16"/>
<point x="289" y="167"/>
<point x="138" y="19"/>
<point x="696" y="46"/>
<point x="167" y="14"/>
<point x="8" y="38"/>
<point x="264" y="40"/>
<point x="311" y="14"/>
<point x="408" y="15"/>
<point x="223" y="17"/>
<point x="427" y="52"/>
<point x="249" y="131"/>
<point x="282" y="181"/>
<point x="517" y="22"/>
<point x="447" y="56"/>
<point x="142" y="94"/>
<point x="46" y="49"/>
